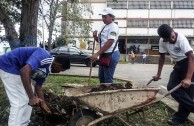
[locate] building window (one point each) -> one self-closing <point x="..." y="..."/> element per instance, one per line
<point x="117" y="5"/>
<point x="157" y="23"/>
<point x="154" y="41"/>
<point x="137" y="5"/>
<point x="137" y="23"/>
<point x="186" y="4"/>
<point x="160" y="4"/>
<point x="182" y="23"/>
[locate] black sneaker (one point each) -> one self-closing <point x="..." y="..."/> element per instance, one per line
<point x="175" y="122"/>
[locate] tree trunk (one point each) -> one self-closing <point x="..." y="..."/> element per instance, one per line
<point x="50" y="39"/>
<point x="28" y="27"/>
<point x="10" y="31"/>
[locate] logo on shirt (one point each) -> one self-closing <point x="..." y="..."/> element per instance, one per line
<point x="113" y="33"/>
<point x="177" y="49"/>
<point x="39" y="73"/>
<point x="46" y="61"/>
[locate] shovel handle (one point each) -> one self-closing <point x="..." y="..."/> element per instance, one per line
<point x="91" y="62"/>
<point x="172" y="90"/>
<point x="149" y="81"/>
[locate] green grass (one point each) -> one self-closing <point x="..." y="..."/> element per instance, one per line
<point x="55" y="82"/>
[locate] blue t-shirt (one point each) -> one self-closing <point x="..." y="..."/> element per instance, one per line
<point x="38" y="59"/>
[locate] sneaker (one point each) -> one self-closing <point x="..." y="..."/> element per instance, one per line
<point x="175" y="121"/>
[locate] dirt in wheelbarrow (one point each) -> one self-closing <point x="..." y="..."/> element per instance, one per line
<point x="105" y="87"/>
<point x="62" y="107"/>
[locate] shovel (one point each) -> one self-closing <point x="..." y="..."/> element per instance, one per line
<point x="150" y="81"/>
<point x="165" y="95"/>
<point x="169" y="92"/>
<point x="91" y="63"/>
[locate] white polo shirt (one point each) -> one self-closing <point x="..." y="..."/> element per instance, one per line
<point x="177" y="50"/>
<point x="110" y="31"/>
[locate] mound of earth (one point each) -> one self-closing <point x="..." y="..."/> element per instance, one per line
<point x="61" y="109"/>
<point x="105" y="87"/>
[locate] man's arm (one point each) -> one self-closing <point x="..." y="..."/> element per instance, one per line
<point x="40" y="93"/>
<point x="25" y="74"/>
<point x="106" y="46"/>
<point x="160" y="66"/>
<point x="102" y="50"/>
<point x="187" y="81"/>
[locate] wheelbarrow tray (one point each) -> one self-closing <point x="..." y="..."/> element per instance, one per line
<point x="112" y="101"/>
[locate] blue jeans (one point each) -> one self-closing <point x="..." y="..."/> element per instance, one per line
<point x="143" y="60"/>
<point x="106" y="74"/>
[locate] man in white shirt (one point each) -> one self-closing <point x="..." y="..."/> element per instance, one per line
<point x="107" y="39"/>
<point x="179" y="49"/>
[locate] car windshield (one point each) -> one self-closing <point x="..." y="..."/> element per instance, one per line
<point x="74" y="50"/>
<point x="71" y="49"/>
<point x="64" y="49"/>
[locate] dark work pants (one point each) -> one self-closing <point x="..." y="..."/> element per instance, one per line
<point x="184" y="96"/>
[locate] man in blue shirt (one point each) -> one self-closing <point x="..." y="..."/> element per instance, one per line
<point x="23" y="71"/>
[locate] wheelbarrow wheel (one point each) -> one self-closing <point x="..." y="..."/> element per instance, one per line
<point x="82" y="118"/>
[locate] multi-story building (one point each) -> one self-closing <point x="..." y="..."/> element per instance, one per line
<point x="138" y="21"/>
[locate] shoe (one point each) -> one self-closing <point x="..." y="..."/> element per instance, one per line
<point x="175" y="121"/>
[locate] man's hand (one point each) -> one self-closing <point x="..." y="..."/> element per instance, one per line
<point x="156" y="78"/>
<point x="34" y="102"/>
<point x="93" y="58"/>
<point x="186" y="83"/>
<point x="45" y="108"/>
<point x="95" y="33"/>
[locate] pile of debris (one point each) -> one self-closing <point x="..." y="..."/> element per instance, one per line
<point x="61" y="110"/>
<point x="62" y="106"/>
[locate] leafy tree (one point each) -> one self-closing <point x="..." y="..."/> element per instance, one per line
<point x="26" y="13"/>
<point x="71" y="12"/>
<point x="60" y="41"/>
<point x="73" y="22"/>
<point x="50" y="15"/>
<point x="8" y="20"/>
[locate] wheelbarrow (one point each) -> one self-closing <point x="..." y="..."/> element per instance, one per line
<point x="108" y="103"/>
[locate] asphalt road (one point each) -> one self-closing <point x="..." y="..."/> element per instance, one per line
<point x="139" y="74"/>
